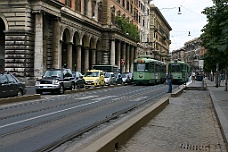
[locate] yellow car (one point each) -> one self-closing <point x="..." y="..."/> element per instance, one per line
<point x="94" y="78"/>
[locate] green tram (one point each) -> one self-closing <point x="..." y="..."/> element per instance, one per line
<point x="180" y="71"/>
<point x="148" y="71"/>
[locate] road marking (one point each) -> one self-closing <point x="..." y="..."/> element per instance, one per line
<point x="47" y="114"/>
<point x="140" y="98"/>
<point x="86" y="97"/>
<point x="102" y="98"/>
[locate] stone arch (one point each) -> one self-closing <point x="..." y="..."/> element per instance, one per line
<point x="85" y="40"/>
<point x="3" y="26"/>
<point x="66" y="35"/>
<point x="4" y="21"/>
<point x="76" y="38"/>
<point x="99" y="59"/>
<point x="76" y="51"/>
<point x="85" y="53"/>
<point x="92" y="52"/>
<point x="66" y="39"/>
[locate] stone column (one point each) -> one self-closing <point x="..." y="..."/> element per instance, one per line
<point x="60" y="54"/>
<point x="86" y="59"/>
<point x="135" y="52"/>
<point x="127" y="58"/>
<point x="112" y="52"/>
<point x="118" y="54"/>
<point x="124" y="57"/>
<point x="132" y="58"/>
<point x="56" y="45"/>
<point x="69" y="55"/>
<point x="78" y="58"/>
<point x="38" y="51"/>
<point x="93" y="57"/>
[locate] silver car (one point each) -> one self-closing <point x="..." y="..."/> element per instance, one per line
<point x="55" y="80"/>
<point x="109" y="78"/>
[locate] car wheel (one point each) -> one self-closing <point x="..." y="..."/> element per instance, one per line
<point x="72" y="86"/>
<point x="20" y="93"/>
<point x="38" y="92"/>
<point x="78" y="86"/>
<point x="61" y="89"/>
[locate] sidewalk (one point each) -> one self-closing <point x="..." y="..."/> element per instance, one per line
<point x="188" y="123"/>
<point x="220" y="102"/>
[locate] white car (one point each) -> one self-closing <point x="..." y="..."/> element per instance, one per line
<point x="109" y="78"/>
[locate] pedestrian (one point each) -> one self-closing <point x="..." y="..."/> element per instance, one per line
<point x="169" y="80"/>
<point x="193" y="76"/>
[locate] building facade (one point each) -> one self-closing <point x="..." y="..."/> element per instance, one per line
<point x="159" y="34"/>
<point x="41" y="34"/>
<point x="192" y="53"/>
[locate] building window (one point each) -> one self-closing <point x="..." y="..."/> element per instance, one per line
<point x="113" y="15"/>
<point x="123" y="3"/>
<point x="128" y="5"/>
<point x="93" y="8"/>
<point x="118" y="13"/>
<point x="68" y="3"/>
<point x="85" y="7"/>
<point x="100" y="12"/>
<point x="78" y="5"/>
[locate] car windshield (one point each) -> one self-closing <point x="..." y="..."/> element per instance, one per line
<point x="53" y="73"/>
<point x="107" y="75"/>
<point x="124" y="75"/>
<point x="92" y="74"/>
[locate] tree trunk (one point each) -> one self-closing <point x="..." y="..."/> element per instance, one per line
<point x="226" y="70"/>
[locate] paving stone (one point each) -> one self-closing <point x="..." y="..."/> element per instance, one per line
<point x="187" y="124"/>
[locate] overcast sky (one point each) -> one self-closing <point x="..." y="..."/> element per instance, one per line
<point x="191" y="19"/>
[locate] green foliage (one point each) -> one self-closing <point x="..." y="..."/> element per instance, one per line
<point x="215" y="35"/>
<point x="127" y="27"/>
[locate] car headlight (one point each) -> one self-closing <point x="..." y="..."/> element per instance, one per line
<point x="96" y="80"/>
<point x="55" y="81"/>
<point x="37" y="82"/>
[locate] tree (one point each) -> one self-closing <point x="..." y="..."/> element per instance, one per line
<point x="215" y="36"/>
<point x="127" y="27"/>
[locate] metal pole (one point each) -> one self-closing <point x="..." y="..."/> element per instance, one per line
<point x="217" y="74"/>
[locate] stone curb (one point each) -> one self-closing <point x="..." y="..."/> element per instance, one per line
<point x="19" y="98"/>
<point x="121" y="134"/>
<point x="178" y="92"/>
<point x="223" y="123"/>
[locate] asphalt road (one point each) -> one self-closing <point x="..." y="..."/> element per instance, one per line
<point x="29" y="126"/>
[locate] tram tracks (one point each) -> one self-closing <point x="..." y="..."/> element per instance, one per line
<point x="115" y="115"/>
<point x="124" y="97"/>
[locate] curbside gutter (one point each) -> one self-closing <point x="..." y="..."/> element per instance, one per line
<point x="220" y="116"/>
<point x="19" y="98"/>
<point x="120" y="135"/>
<point x="178" y="92"/>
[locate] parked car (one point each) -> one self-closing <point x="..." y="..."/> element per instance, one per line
<point x="94" y="78"/>
<point x="109" y="78"/>
<point x="131" y="77"/>
<point x="11" y="86"/>
<point x="126" y="78"/>
<point x="55" y="80"/>
<point x="119" y="79"/>
<point x="78" y="81"/>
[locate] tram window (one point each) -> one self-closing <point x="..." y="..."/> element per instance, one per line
<point x="147" y="67"/>
<point x="152" y="67"/>
<point x="173" y="69"/>
<point x="178" y="68"/>
<point x="141" y="67"/>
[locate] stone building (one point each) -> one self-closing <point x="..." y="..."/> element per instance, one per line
<point x="37" y="35"/>
<point x="159" y="34"/>
<point x="192" y="53"/>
